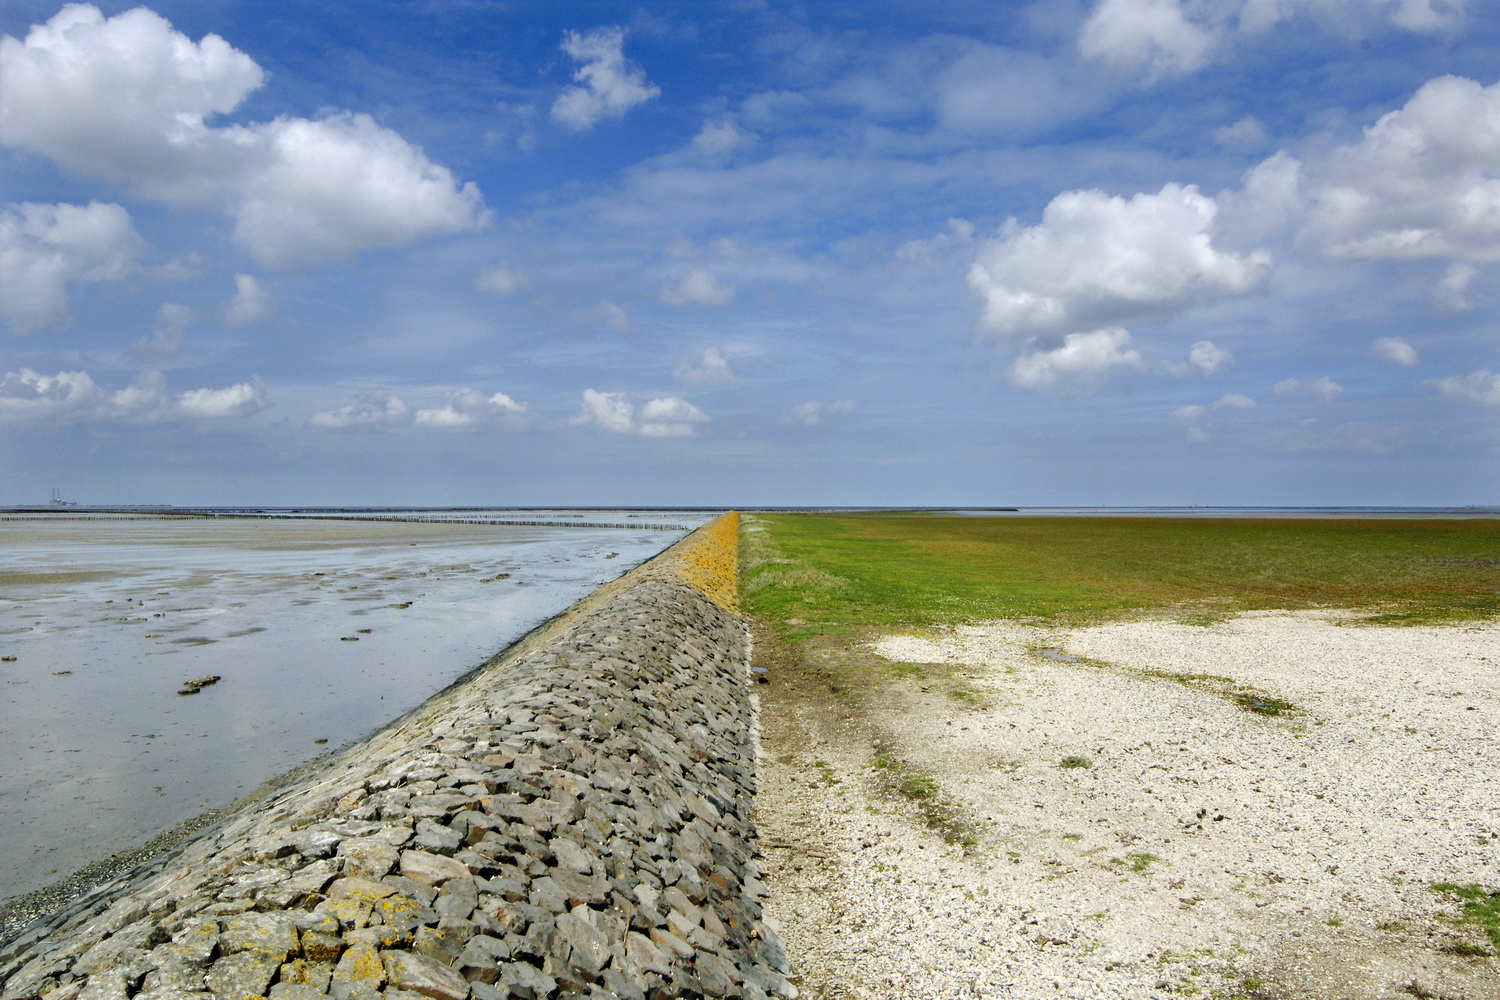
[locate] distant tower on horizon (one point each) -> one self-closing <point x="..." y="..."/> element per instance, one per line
<point x="57" y="500"/>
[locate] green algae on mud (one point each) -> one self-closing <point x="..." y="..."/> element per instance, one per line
<point x="824" y="574"/>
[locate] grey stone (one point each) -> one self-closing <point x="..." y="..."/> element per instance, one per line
<point x="645" y="953"/>
<point x="106" y="985"/>
<point x="171" y="969"/>
<point x="529" y="977"/>
<point x="719" y="978"/>
<point x="315" y="843"/>
<point x="421" y="974"/>
<point x="484" y="949"/>
<point x="303" y="973"/>
<point x="572" y="857"/>
<point x="588" y="948"/>
<point x="457" y="899"/>
<point x="437" y="838"/>
<point x="430" y="869"/>
<point x="671" y="943"/>
<point x="579" y="889"/>
<point x="111" y="953"/>
<point x="368" y="857"/>
<point x="360" y="971"/>
<point x="270" y="935"/>
<point x="243" y="974"/>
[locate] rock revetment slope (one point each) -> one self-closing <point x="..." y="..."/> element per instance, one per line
<point x="571" y="820"/>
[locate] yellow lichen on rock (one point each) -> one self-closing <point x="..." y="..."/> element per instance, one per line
<point x="709" y="560"/>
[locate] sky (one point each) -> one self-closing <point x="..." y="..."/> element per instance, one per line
<point x="1129" y="252"/>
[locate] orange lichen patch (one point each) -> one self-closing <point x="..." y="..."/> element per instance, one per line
<point x="709" y="560"/>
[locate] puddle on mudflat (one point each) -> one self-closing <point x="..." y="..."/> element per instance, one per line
<point x="1057" y="655"/>
<point x="130" y="609"/>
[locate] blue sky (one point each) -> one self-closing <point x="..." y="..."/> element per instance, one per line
<point x="1117" y="253"/>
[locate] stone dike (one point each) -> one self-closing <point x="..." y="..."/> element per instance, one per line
<point x="573" y="819"/>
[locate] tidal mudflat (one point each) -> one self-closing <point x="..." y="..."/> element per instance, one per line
<point x="320" y="630"/>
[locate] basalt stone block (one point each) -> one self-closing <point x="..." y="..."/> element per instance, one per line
<point x="423" y="894"/>
<point x="436" y="838"/>
<point x="360" y="972"/>
<point x="579" y="889"/>
<point x="110" y="984"/>
<point x="314" y="975"/>
<point x="457" y="899"/>
<point x="270" y="935"/>
<point x="368" y="857"/>
<point x="431" y="869"/>
<point x="521" y="977"/>
<point x="321" y="947"/>
<point x="296" y="991"/>
<point x="420" y="974"/>
<point x="243" y="974"/>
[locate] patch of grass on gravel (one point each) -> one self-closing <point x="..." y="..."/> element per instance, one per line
<point x="1139" y="861"/>
<point x="940" y="813"/>
<point x="1480" y="908"/>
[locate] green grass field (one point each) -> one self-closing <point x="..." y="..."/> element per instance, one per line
<point x="839" y="574"/>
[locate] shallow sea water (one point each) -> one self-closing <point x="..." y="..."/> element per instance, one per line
<point x="107" y="618"/>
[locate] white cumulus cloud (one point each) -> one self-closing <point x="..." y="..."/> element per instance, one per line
<point x="470" y="408"/>
<point x="172" y="321"/>
<point x="130" y="99"/>
<point x="1234" y="401"/>
<point x="251" y="302"/>
<point x="342" y="185"/>
<point x="1247" y="131"/>
<point x="376" y="410"/>
<point x="721" y="137"/>
<point x="1429" y="16"/>
<point x="668" y="416"/>
<point x="611" y="84"/>
<point x="1081" y="364"/>
<point x="697" y="287"/>
<point x="1208" y="357"/>
<point x="1423" y="182"/>
<point x="1152" y="37"/>
<point x="46" y="248"/>
<point x="73" y="397"/>
<point x="609" y="410"/>
<point x="1452" y="294"/>
<point x="1097" y="259"/>
<point x="67" y="397"/>
<point x="1187" y="414"/>
<point x="1482" y="387"/>
<point x="1322" y="387"/>
<point x="813" y="412"/>
<point x="498" y="279"/>
<point x="1271" y="200"/>
<point x="239" y="400"/>
<point x="959" y="233"/>
<point x="1396" y="351"/>
<point x="711" y="369"/>
<point x="126" y="98"/>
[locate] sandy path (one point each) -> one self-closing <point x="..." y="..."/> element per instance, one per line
<point x="1206" y="848"/>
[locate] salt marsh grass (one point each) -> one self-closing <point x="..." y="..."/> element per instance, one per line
<point x="841" y="573"/>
